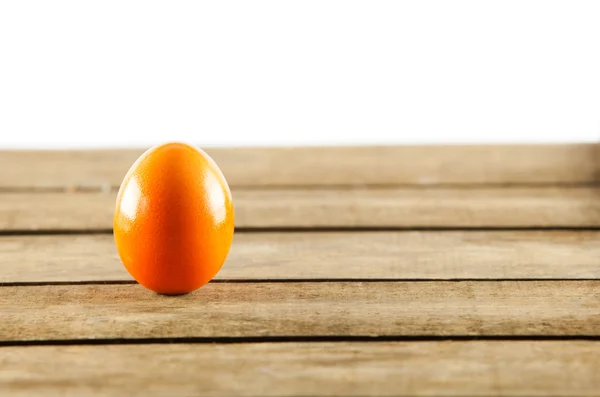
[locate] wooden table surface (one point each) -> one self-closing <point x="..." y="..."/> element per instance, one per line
<point x="457" y="270"/>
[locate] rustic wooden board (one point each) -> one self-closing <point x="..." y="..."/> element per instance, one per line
<point x="68" y="312"/>
<point x="305" y="369"/>
<point x="324" y="166"/>
<point x="329" y="255"/>
<point x="311" y="208"/>
<point x="282" y="283"/>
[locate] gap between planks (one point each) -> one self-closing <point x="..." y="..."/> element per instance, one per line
<point x="237" y="340"/>
<point x="482" y="368"/>
<point x="393" y="255"/>
<point x="324" y="166"/>
<point x="539" y="207"/>
<point x="437" y="309"/>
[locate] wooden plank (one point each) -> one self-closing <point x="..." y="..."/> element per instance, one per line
<point x="329" y="255"/>
<point x="491" y="207"/>
<point x="483" y="368"/>
<point x="302" y="309"/>
<point x="345" y="208"/>
<point x="325" y="166"/>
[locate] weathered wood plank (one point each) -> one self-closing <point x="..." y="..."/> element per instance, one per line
<point x="313" y="208"/>
<point x="329" y="255"/>
<point x="305" y="369"/>
<point x="299" y="309"/>
<point x="492" y="207"/>
<point x="301" y="166"/>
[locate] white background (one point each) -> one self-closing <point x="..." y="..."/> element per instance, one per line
<point x="130" y="73"/>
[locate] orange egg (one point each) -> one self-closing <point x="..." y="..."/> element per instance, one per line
<point x="173" y="221"/>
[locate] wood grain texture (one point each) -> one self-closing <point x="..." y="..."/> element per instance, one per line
<point x="329" y="255"/>
<point x="344" y="208"/>
<point x="559" y="308"/>
<point x="324" y="166"/>
<point x="305" y="369"/>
